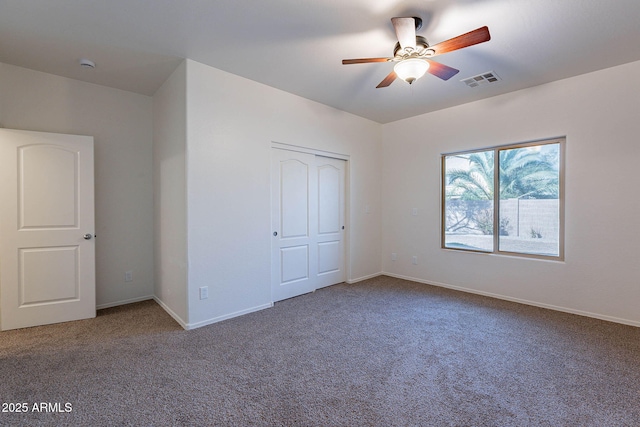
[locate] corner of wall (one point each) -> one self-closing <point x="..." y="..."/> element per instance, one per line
<point x="170" y="192"/>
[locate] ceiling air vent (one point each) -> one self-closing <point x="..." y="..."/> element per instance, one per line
<point x="481" y="79"/>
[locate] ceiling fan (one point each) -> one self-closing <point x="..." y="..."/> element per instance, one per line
<point x="412" y="52"/>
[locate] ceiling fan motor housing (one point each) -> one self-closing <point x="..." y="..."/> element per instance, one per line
<point x="421" y="46"/>
<point x="418" y="22"/>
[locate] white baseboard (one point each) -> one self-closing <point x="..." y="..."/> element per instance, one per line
<point x="360" y="279"/>
<point x="179" y="319"/>
<point x="518" y="300"/>
<point x="171" y="313"/>
<point x="226" y="316"/>
<point x="123" y="302"/>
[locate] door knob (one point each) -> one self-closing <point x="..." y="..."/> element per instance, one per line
<point x="275" y="233"/>
<point x="87" y="236"/>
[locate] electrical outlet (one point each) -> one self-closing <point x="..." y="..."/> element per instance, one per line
<point x="204" y="292"/>
<point x="414" y="260"/>
<point x="128" y="276"/>
<point x="394" y="256"/>
<point x="414" y="211"/>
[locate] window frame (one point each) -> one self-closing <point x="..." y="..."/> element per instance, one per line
<point x="561" y="141"/>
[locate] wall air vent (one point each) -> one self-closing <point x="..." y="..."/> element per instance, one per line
<point x="481" y="79"/>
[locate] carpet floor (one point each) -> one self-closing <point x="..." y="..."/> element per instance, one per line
<point x="382" y="352"/>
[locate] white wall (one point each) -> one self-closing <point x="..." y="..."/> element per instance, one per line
<point x="598" y="113"/>
<point x="170" y="194"/>
<point x="121" y="124"/>
<point x="231" y="123"/>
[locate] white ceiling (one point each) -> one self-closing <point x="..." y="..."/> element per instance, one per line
<point x="298" y="45"/>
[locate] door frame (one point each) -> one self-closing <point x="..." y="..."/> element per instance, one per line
<point x="347" y="194"/>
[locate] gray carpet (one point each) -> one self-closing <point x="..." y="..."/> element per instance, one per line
<point x="383" y="352"/>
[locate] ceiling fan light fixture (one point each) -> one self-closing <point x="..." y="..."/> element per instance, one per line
<point x="411" y="69"/>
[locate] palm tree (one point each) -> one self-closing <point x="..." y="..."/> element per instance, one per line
<point x="525" y="173"/>
<point x="474" y="183"/>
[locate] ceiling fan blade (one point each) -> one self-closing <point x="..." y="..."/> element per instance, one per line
<point x="364" y="60"/>
<point x="440" y="70"/>
<point x="480" y="35"/>
<point x="387" y="80"/>
<point x="406" y="31"/>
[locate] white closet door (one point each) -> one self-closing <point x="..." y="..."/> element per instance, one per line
<point x="330" y="227"/>
<point x="293" y="262"/>
<point x="47" y="253"/>
<point x="307" y="223"/>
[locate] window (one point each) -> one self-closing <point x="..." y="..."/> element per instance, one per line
<point x="506" y="199"/>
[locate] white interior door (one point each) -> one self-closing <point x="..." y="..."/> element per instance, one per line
<point x="330" y="226"/>
<point x="307" y="223"/>
<point x="47" y="253"/>
<point x="293" y="203"/>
